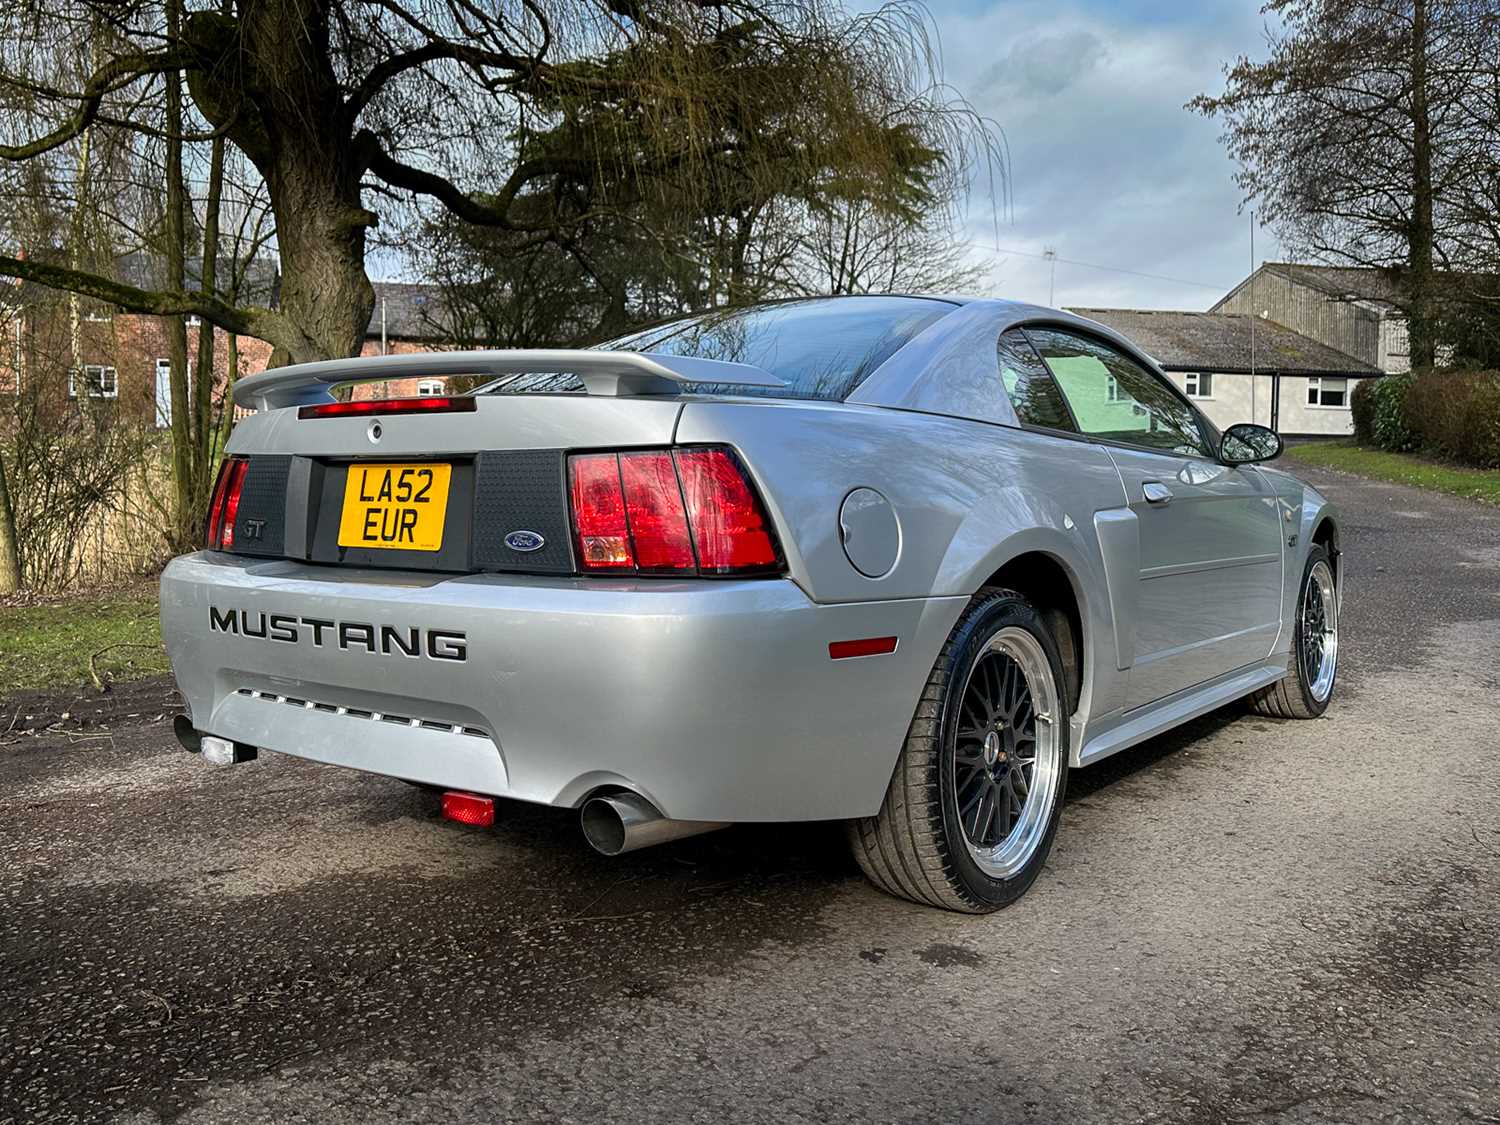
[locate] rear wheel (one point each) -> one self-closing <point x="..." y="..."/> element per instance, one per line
<point x="1305" y="692"/>
<point x="973" y="806"/>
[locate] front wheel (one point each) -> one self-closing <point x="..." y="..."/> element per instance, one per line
<point x="972" y="809"/>
<point x="1304" y="693"/>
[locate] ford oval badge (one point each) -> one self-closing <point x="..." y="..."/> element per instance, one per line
<point x="525" y="541"/>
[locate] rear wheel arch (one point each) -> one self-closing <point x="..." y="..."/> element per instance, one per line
<point x="1053" y="588"/>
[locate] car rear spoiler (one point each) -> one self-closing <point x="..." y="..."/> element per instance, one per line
<point x="602" y="373"/>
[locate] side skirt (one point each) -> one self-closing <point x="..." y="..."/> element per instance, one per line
<point x="1157" y="718"/>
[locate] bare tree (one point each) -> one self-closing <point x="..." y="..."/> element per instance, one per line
<point x="1353" y="134"/>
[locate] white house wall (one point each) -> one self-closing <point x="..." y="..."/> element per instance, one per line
<point x="1245" y="398"/>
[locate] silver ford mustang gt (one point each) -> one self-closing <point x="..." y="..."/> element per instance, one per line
<point x="897" y="561"/>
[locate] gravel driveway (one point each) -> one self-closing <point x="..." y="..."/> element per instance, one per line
<point x="1245" y="920"/>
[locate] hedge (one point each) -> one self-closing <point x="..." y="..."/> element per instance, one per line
<point x="1454" y="415"/>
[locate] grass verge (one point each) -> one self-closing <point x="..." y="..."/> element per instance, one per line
<point x="1400" y="468"/>
<point x="47" y="643"/>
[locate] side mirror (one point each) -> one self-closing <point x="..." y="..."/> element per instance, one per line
<point x="1245" y="443"/>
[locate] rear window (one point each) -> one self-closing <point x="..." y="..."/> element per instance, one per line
<point x="821" y="348"/>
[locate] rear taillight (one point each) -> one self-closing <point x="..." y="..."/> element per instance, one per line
<point x="729" y="527"/>
<point x="225" y="506"/>
<point x="432" y="404"/>
<point x="685" y="511"/>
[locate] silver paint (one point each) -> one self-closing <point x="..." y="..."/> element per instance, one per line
<point x="716" y="701"/>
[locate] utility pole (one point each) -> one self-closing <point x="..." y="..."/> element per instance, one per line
<point x="1051" y="256"/>
<point x="1252" y="316"/>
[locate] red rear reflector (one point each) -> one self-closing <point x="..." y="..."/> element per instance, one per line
<point x="469" y="808"/>
<point x="432" y="404"/>
<point x="653" y="501"/>
<point x="869" y="646"/>
<point x="599" y="512"/>
<point x="729" y="528"/>
<point x="225" y="506"/>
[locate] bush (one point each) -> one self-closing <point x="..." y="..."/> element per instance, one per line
<point x="1362" y="406"/>
<point x="1389" y="426"/>
<point x="1456" y="415"/>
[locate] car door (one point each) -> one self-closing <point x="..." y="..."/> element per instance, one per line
<point x="1209" y="563"/>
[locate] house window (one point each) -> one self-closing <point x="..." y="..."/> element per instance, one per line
<point x="97" y="382"/>
<point x="1112" y="391"/>
<point x="1199" y="384"/>
<point x="1328" y="392"/>
<point x="193" y="320"/>
<point x="426" y="387"/>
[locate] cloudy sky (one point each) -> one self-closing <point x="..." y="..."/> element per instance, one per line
<point x="1106" y="165"/>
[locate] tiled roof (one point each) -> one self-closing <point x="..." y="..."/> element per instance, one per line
<point x="412" y="312"/>
<point x="1199" y="341"/>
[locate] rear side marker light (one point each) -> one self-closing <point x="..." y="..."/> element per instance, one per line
<point x="432" y="404"/>
<point x="469" y="808"/>
<point x="868" y="646"/>
<point x="682" y="511"/>
<point x="224" y="509"/>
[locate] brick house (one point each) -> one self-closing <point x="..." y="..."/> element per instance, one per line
<point x="122" y="358"/>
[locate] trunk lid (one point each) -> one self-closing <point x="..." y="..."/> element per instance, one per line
<point x="504" y="503"/>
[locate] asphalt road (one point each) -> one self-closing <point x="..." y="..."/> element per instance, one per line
<point x="1247" y="920"/>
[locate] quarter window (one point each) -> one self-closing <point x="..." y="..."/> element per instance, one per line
<point x="1115" y="398"/>
<point x="1030" y="386"/>
<point x="1199" y="384"/>
<point x="1327" y="392"/>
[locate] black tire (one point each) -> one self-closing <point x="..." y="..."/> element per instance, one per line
<point x="1293" y="697"/>
<point x="916" y="847"/>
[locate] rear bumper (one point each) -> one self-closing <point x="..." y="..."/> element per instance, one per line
<point x="713" y="700"/>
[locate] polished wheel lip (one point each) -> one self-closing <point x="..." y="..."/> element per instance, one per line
<point x="1318" y="651"/>
<point x="1010" y="855"/>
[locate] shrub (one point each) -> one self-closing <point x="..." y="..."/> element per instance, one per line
<point x="1362" y="406"/>
<point x="1456" y="415"/>
<point x="1388" y="417"/>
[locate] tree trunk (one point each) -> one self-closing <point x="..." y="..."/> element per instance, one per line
<point x="269" y="83"/>
<point x="320" y="232"/>
<point x="203" y="429"/>
<point x="1421" y="282"/>
<point x="184" y="533"/>
<point x="10" y="560"/>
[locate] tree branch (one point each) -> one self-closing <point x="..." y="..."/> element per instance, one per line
<point x="113" y="75"/>
<point x="489" y="210"/>
<point x="253" y="320"/>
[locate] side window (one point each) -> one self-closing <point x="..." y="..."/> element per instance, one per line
<point x="1030" y="386"/>
<point x="1114" y="398"/>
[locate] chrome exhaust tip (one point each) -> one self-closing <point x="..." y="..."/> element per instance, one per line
<point x="211" y="748"/>
<point x="623" y="822"/>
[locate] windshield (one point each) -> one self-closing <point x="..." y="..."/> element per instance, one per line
<point x="821" y="348"/>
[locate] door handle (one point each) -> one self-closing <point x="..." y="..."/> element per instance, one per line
<point x="1156" y="492"/>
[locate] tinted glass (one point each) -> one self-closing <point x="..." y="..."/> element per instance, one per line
<point x="1030" y="386"/>
<point x="821" y="349"/>
<point x="1115" y="398"/>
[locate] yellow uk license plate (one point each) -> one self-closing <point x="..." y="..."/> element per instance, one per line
<point x="395" y="507"/>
